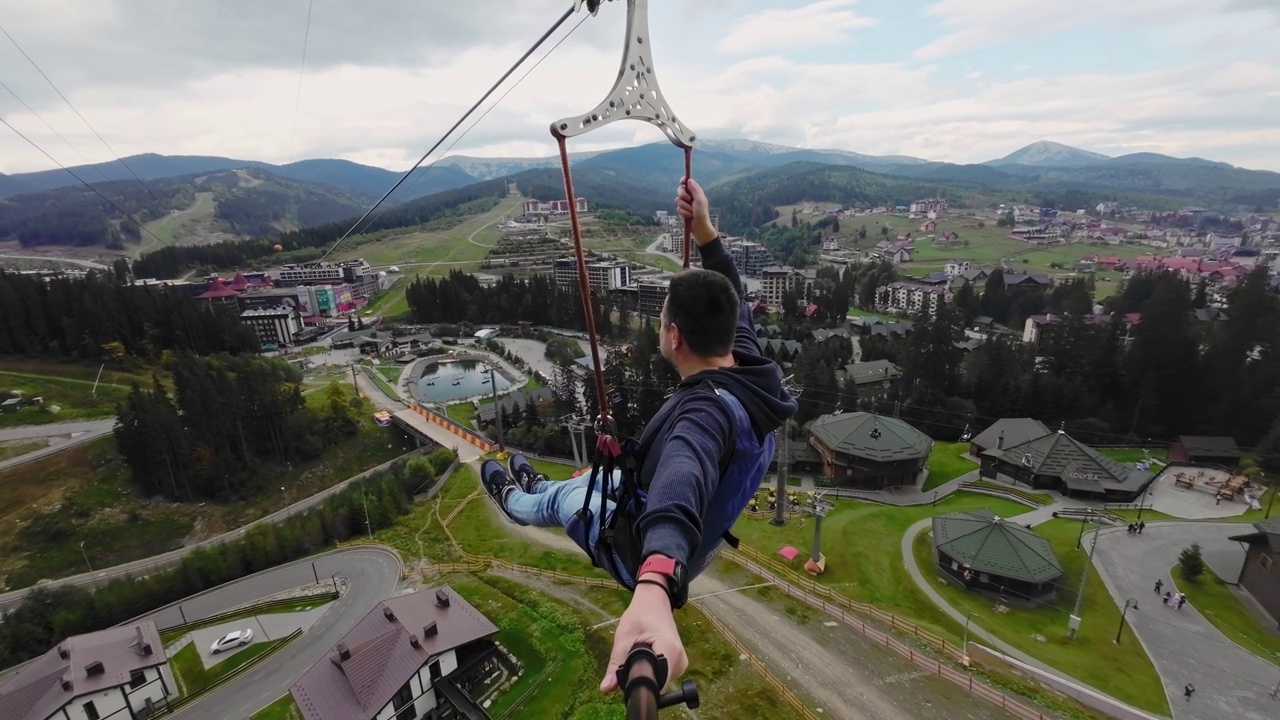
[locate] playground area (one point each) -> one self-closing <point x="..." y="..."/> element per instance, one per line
<point x="1193" y="492"/>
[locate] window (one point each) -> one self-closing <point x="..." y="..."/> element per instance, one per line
<point x="434" y="667"/>
<point x="1265" y="561"/>
<point x="90" y="711"/>
<point x="137" y="679"/>
<point x="403" y="704"/>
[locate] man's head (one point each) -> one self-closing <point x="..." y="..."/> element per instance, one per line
<point x="699" y="318"/>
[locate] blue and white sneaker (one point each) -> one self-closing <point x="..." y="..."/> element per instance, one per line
<point x="498" y="485"/>
<point x="525" y="476"/>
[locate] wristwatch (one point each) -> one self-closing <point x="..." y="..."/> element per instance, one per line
<point x="676" y="574"/>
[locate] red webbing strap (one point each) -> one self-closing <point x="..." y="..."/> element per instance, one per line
<point x="584" y="285"/>
<point x="688" y="224"/>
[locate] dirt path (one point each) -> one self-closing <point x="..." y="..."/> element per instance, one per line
<point x="829" y="663"/>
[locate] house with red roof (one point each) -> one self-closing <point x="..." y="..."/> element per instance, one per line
<point x="220" y="294"/>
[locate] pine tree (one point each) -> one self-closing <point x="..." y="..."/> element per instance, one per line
<point x="1191" y="562"/>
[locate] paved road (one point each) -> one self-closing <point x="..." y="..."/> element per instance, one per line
<point x="1230" y="682"/>
<point x="372" y="573"/>
<point x="28" y="432"/>
<point x="140" y="568"/>
<point x="58" y="440"/>
<point x="68" y="261"/>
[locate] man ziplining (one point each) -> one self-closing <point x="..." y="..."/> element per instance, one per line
<point x="662" y="516"/>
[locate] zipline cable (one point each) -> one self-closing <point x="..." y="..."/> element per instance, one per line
<point x="302" y="71"/>
<point x="556" y="26"/>
<point x="479" y="120"/>
<point x="77" y="112"/>
<point x="83" y="182"/>
<point x="54" y="131"/>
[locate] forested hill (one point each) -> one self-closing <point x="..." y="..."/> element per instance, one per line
<point x="306" y="243"/>
<point x="227" y="203"/>
<point x="748" y="201"/>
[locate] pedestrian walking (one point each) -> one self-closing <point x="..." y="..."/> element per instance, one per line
<point x="1141" y="525"/>
<point x="1182" y="600"/>
<point x="1159" y="584"/>
<point x="1132" y="528"/>
<point x="1167" y="595"/>
<point x="1188" y="690"/>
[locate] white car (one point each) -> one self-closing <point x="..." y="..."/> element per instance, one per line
<point x="231" y="640"/>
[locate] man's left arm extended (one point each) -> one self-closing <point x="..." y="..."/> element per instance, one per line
<point x="687" y="474"/>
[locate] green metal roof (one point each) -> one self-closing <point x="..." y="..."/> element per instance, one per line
<point x="988" y="544"/>
<point x="850" y="434"/>
<point x="1080" y="466"/>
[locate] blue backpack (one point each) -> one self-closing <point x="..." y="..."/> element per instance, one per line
<point x="619" y="545"/>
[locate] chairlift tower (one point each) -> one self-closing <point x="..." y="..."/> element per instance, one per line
<point x="818" y="506"/>
<point x="784" y="458"/>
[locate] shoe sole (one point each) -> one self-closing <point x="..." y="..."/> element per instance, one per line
<point x="496" y="501"/>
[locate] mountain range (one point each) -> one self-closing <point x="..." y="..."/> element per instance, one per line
<point x="643" y="178"/>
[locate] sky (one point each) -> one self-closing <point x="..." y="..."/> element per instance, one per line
<point x="947" y="80"/>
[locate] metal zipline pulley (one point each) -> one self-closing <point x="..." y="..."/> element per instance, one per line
<point x="635" y="95"/>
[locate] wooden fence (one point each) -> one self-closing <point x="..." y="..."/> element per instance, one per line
<point x="841" y="607"/>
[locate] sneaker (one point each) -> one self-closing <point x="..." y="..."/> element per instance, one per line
<point x="497" y="484"/>
<point x="522" y="470"/>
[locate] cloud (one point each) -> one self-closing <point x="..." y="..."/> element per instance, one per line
<point x="212" y="85"/>
<point x="977" y="24"/>
<point x="827" y="22"/>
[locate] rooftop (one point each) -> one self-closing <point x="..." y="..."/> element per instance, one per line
<point x="377" y="657"/>
<point x="1210" y="446"/>
<point x="1015" y="430"/>
<point x="1079" y="466"/>
<point x="52" y="680"/>
<point x="985" y="543"/>
<point x="872" y="372"/>
<point x="856" y="434"/>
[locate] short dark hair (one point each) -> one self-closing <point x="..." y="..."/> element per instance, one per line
<point x="704" y="305"/>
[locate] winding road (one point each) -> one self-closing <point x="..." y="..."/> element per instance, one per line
<point x="372" y="574"/>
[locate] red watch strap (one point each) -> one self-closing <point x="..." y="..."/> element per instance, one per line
<point x="658" y="564"/>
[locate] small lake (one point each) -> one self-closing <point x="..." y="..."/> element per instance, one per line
<point x="453" y="381"/>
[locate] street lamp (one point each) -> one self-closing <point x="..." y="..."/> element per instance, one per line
<point x="1086" y="518"/>
<point x="1130" y="603"/>
<point x="964" y="648"/>
<point x="86" y="556"/>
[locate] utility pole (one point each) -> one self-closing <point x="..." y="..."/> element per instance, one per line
<point x="497" y="408"/>
<point x="95" y="380"/>
<point x="780" y="506"/>
<point x="1073" y="624"/>
<point x="368" y="528"/>
<point x="86" y="556"/>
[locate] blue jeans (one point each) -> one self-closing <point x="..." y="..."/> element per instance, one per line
<point x="554" y="504"/>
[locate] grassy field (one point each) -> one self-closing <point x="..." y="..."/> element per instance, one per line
<point x="193" y="676"/>
<point x="427" y="252"/>
<point x="282" y="709"/>
<point x="85" y="494"/>
<point x="15" y="448"/>
<point x="947" y="461"/>
<point x="462" y="413"/>
<point x="1133" y="455"/>
<point x="986" y="245"/>
<point x="864" y="560"/>
<point x="1123" y="671"/>
<point x="1220" y="606"/>
<point x="175" y="227"/>
<point x="77" y="399"/>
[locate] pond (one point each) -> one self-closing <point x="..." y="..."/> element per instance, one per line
<point x="453" y="381"/>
